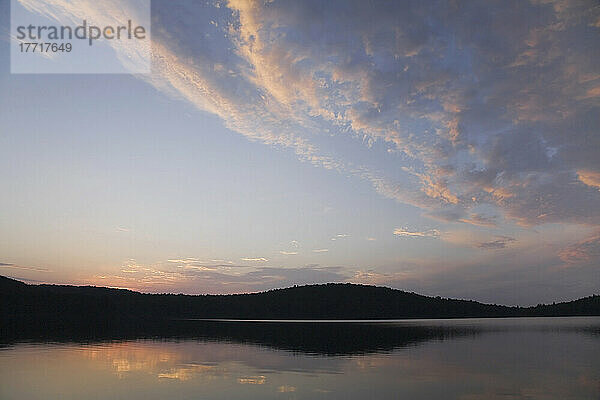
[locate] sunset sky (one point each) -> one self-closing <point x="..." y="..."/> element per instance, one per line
<point x="449" y="148"/>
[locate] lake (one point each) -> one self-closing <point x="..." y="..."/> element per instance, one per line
<point x="516" y="358"/>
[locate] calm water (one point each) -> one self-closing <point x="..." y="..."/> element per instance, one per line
<point x="538" y="358"/>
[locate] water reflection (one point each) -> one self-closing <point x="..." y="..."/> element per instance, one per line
<point x="323" y="338"/>
<point x="541" y="359"/>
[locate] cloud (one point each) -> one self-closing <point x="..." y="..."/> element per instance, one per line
<point x="288" y="253"/>
<point x="590" y="178"/>
<point x="514" y="137"/>
<point x="408" y="233"/>
<point x="256" y="259"/>
<point x="25" y="268"/>
<point x="511" y="276"/>
<point x="471" y="113"/>
<point x="189" y="260"/>
<point x="448" y="214"/>
<point x="203" y="267"/>
<point x="499" y="243"/>
<point x="163" y="277"/>
<point x="480" y="220"/>
<point x="584" y="252"/>
<point x="340" y="236"/>
<point x="374" y="277"/>
<point x="320" y="250"/>
<point x="477" y="239"/>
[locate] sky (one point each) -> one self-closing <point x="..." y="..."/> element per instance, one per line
<point x="447" y="148"/>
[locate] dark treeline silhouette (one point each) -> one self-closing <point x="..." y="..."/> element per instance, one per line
<point x="86" y="314"/>
<point x="86" y="306"/>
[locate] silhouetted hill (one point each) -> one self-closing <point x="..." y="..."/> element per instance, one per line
<point x="87" y="306"/>
<point x="8" y="285"/>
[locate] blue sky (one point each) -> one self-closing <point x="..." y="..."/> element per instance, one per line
<point x="444" y="148"/>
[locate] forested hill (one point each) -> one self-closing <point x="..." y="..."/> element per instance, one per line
<point x="20" y="301"/>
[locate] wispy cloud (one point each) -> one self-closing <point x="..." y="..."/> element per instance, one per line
<point x="25" y="268"/>
<point x="189" y="260"/>
<point x="500" y="242"/>
<point x="477" y="239"/>
<point x="256" y="259"/>
<point x="590" y="178"/>
<point x="340" y="236"/>
<point x="583" y="252"/>
<point x="408" y="233"/>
